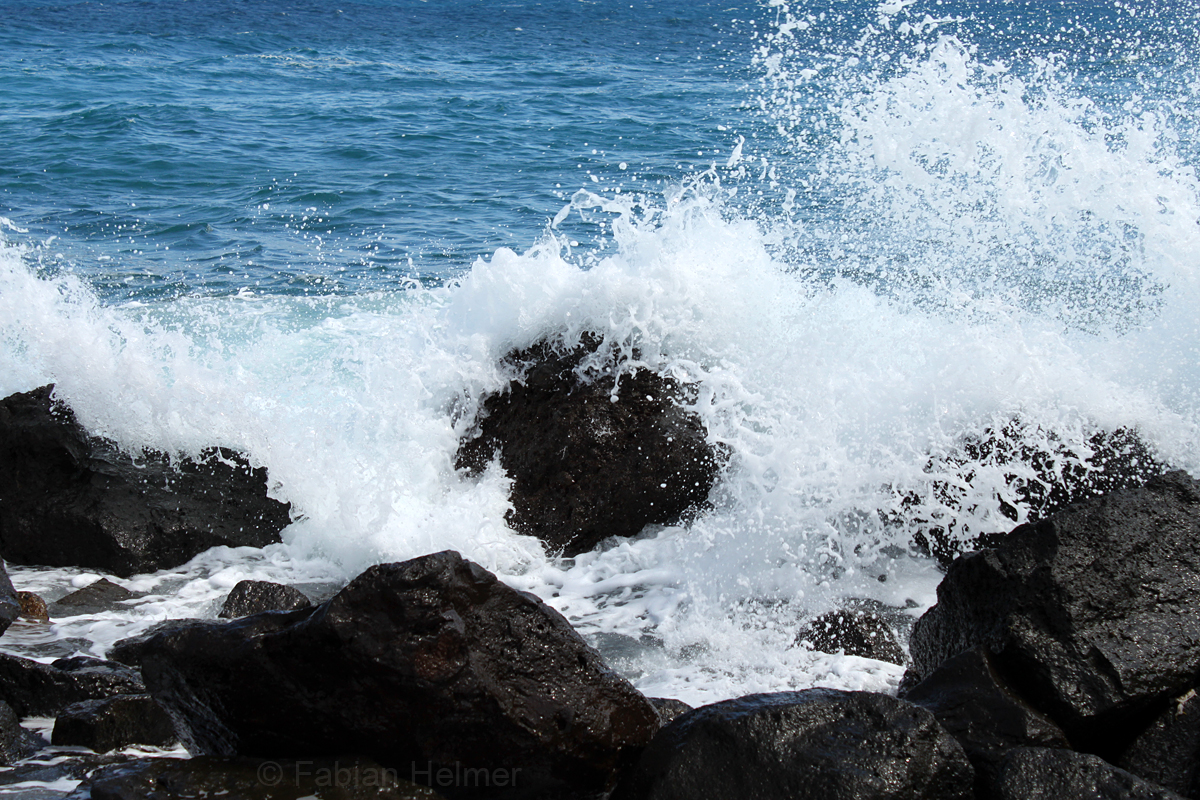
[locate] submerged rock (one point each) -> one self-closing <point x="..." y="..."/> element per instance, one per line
<point x="71" y="499"/>
<point x="1039" y="473"/>
<point x="1093" y="613"/>
<point x="1037" y="773"/>
<point x="34" y="689"/>
<point x="591" y="457"/>
<point x="253" y="597"/>
<point x="430" y="664"/>
<point x="820" y="744"/>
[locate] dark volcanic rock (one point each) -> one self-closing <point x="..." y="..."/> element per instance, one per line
<point x="10" y="604"/>
<point x="1036" y="773"/>
<point x="15" y="742"/>
<point x="1094" y="613"/>
<point x="128" y="651"/>
<point x="250" y="779"/>
<point x="1043" y="473"/>
<point x="586" y="464"/>
<point x="253" y="597"/>
<point x="432" y="663"/>
<point x="114" y="722"/>
<point x="668" y="709"/>
<point x="70" y="499"/>
<point x="103" y="595"/>
<point x="1168" y="751"/>
<point x="33" y="607"/>
<point x="983" y="712"/>
<point x="820" y="744"/>
<point x="34" y="689"/>
<point x="854" y="632"/>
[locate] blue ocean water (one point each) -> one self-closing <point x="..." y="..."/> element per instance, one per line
<point x="203" y="147"/>
<point x="862" y="230"/>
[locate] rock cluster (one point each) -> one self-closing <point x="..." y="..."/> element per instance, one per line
<point x="1081" y="631"/>
<point x="424" y="666"/>
<point x="591" y="454"/>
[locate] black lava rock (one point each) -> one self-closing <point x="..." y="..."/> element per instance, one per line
<point x="349" y="778"/>
<point x="432" y="662"/>
<point x="984" y="713"/>
<point x="34" y="689"/>
<point x="818" y="744"/>
<point x="10" y="604"/>
<point x="70" y="499"/>
<point x="853" y="632"/>
<point x="1042" y="474"/>
<point x="1167" y="752"/>
<point x="100" y="596"/>
<point x="590" y="458"/>
<point x="114" y="722"/>
<point x="253" y="597"/>
<point x="1037" y="773"/>
<point x="668" y="709"/>
<point x="15" y="742"/>
<point x="1094" y="613"/>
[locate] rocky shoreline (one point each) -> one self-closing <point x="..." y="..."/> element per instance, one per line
<point x="1061" y="661"/>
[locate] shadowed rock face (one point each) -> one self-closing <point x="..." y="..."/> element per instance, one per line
<point x="819" y="744"/>
<point x="432" y="662"/>
<point x="71" y="499"/>
<point x="1093" y="613"/>
<point x="34" y="689"/>
<point x="1038" y="773"/>
<point x="591" y="458"/>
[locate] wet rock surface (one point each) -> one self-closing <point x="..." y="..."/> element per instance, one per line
<point x="10" y="603"/>
<point x="254" y="597"/>
<point x="591" y="458"/>
<point x="33" y="607"/>
<point x="1093" y="613"/>
<point x="1035" y="773"/>
<point x="114" y="722"/>
<point x="1167" y="751"/>
<point x="1041" y="474"/>
<point x="984" y="713"/>
<point x="34" y="689"/>
<point x="854" y="632"/>
<point x="15" y="741"/>
<point x="71" y="499"/>
<point x="820" y="744"/>
<point x="430" y="662"/>
<point x="96" y="598"/>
